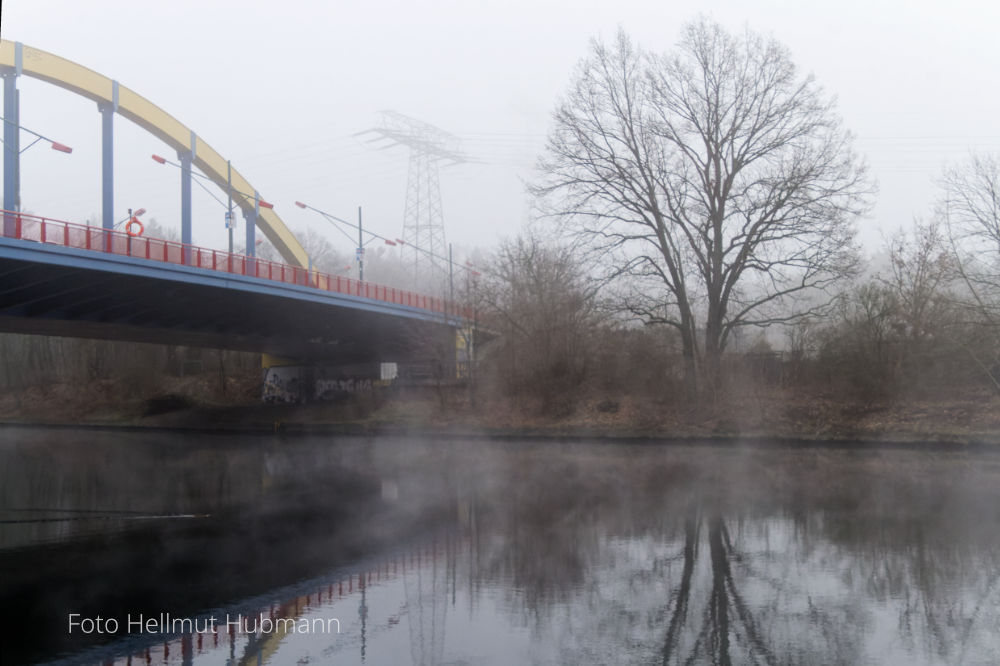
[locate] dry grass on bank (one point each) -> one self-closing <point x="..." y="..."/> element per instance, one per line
<point x="199" y="401"/>
<point x="960" y="415"/>
<point x="113" y="401"/>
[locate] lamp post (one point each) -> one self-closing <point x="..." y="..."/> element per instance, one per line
<point x="138" y="212"/>
<point x="360" y="249"/>
<point x="12" y="159"/>
<point x="53" y="144"/>
<point x="468" y="268"/>
<point x="388" y="241"/>
<point x="230" y="220"/>
<point x="133" y="217"/>
<point x="472" y="275"/>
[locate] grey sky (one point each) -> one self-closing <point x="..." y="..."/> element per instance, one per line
<point x="281" y="87"/>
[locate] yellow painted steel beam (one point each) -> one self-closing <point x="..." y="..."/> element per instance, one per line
<point x="78" y="79"/>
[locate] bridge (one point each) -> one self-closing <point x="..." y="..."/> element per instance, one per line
<point x="63" y="278"/>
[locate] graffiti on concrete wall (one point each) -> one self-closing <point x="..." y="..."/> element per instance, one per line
<point x="295" y="384"/>
<point x="283" y="384"/>
<point x="334" y="389"/>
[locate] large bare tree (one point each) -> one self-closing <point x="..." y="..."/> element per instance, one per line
<point x="715" y="185"/>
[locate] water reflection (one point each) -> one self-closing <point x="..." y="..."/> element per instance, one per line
<point x="457" y="552"/>
<point x="752" y="557"/>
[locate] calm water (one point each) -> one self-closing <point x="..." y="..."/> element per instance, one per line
<point x="200" y="549"/>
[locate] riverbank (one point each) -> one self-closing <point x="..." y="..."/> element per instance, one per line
<point x="972" y="416"/>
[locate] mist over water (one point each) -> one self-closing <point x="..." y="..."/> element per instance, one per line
<point x="470" y="551"/>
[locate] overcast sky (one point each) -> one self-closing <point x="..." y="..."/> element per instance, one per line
<point x="280" y="88"/>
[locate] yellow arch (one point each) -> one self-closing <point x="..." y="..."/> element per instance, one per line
<point x="88" y="83"/>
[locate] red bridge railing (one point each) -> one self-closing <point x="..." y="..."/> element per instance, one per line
<point x="23" y="226"/>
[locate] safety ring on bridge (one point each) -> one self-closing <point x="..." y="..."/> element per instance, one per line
<point x="130" y="227"/>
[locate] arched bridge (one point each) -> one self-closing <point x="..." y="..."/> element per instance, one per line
<point x="17" y="60"/>
<point x="61" y="278"/>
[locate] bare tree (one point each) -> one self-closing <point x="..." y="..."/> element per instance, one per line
<point x="921" y="276"/>
<point x="716" y="186"/>
<point x="971" y="203"/>
<point x="156" y="230"/>
<point x="920" y="272"/>
<point x="536" y="296"/>
<point x="972" y="213"/>
<point x="861" y="343"/>
<point x="323" y="255"/>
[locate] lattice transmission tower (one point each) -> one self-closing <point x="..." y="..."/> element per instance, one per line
<point x="424" y="247"/>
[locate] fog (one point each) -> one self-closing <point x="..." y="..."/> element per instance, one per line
<point x="282" y="92"/>
<point x="780" y="452"/>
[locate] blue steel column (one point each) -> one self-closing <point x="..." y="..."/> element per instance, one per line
<point x="185" y="159"/>
<point x="107" y="166"/>
<point x="11" y="150"/>
<point x="108" y="158"/>
<point x="251" y="235"/>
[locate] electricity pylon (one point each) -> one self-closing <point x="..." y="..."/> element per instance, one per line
<point x="424" y="245"/>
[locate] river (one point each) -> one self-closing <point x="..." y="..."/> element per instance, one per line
<point x="165" y="548"/>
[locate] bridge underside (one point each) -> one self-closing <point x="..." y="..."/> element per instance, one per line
<point x="54" y="291"/>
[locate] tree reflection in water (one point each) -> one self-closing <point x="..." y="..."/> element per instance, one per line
<point x="730" y="629"/>
<point x="763" y="558"/>
<point x="713" y="639"/>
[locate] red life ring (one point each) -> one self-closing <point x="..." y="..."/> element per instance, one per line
<point x="131" y="230"/>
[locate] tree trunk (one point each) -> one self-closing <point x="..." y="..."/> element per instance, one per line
<point x="713" y="354"/>
<point x="689" y="350"/>
<point x="690" y="366"/>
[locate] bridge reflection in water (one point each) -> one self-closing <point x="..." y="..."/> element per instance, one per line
<point x="405" y="595"/>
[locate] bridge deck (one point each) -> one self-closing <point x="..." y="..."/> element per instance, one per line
<point x="60" y="278"/>
<point x="69" y="234"/>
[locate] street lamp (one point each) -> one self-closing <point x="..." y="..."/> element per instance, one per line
<point x="360" y="252"/>
<point x="53" y="144"/>
<point x="361" y="230"/>
<point x="470" y="271"/>
<point x="12" y="167"/>
<point x="133" y="219"/>
<point x="132" y="215"/>
<point x="230" y="222"/>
